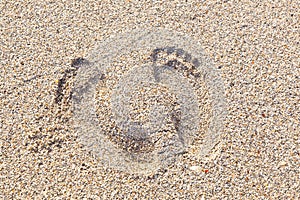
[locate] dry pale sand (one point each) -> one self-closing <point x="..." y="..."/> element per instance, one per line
<point x="254" y="45"/>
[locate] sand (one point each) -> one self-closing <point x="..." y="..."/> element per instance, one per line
<point x="253" y="44"/>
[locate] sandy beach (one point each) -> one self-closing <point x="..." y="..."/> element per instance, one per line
<point x="252" y="45"/>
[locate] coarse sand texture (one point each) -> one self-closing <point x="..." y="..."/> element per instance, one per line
<point x="127" y="99"/>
